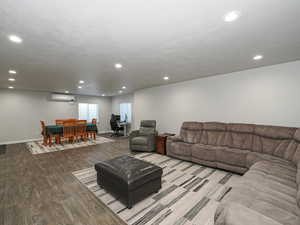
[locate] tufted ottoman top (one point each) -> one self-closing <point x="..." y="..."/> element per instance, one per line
<point x="132" y="171"/>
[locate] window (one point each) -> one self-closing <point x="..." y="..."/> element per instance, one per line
<point x="88" y="112"/>
<point x="125" y="112"/>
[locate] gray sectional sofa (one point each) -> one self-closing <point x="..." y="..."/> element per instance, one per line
<point x="268" y="156"/>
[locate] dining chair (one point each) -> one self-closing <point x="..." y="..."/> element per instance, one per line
<point x="80" y="130"/>
<point x="92" y="133"/>
<point x="69" y="131"/>
<point x="45" y="137"/>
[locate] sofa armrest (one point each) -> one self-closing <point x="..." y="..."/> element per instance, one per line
<point x="237" y="214"/>
<point x="134" y="133"/>
<point x="175" y="139"/>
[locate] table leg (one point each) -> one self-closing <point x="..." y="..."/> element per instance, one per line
<point x="125" y="129"/>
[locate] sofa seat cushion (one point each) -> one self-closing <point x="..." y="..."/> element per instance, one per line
<point x="205" y="152"/>
<point x="277" y="170"/>
<point x="237" y="214"/>
<point x="232" y="156"/>
<point x="274" y="175"/>
<point x="141" y="140"/>
<point x="181" y="148"/>
<point x="281" y="212"/>
<point x="254" y="157"/>
<point x="251" y="195"/>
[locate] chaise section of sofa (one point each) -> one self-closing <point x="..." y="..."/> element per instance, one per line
<point x="269" y="158"/>
<point x="269" y="190"/>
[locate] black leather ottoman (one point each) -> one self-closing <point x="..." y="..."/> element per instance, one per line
<point x="128" y="179"/>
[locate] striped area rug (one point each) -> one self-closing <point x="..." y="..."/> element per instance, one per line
<point x="37" y="147"/>
<point x="189" y="195"/>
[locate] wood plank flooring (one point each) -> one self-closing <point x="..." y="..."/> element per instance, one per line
<point x="41" y="190"/>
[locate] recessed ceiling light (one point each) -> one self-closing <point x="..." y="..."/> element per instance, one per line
<point x="258" y="57"/>
<point x="120" y="91"/>
<point x="79" y="87"/>
<point x="81" y="82"/>
<point x="103" y="94"/>
<point x="11" y="87"/>
<point x="123" y="87"/>
<point x="118" y="66"/>
<point x="11" y="79"/>
<point x="166" y="78"/>
<point x="232" y="16"/>
<point x="12" y="72"/>
<point x="14" y="38"/>
<point x="67" y="92"/>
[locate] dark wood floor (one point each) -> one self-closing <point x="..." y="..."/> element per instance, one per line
<point x="40" y="189"/>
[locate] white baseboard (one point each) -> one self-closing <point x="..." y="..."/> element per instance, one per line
<point x="105" y="132"/>
<point x="19" y="141"/>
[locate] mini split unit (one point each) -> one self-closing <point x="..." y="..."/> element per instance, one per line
<point x="62" y="98"/>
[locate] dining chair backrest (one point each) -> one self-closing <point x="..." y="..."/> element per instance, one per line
<point x="80" y="128"/>
<point x="69" y="129"/>
<point x="114" y="124"/>
<point x="59" y="122"/>
<point x="71" y="120"/>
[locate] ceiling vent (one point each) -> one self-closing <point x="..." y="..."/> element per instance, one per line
<point x="62" y="98"/>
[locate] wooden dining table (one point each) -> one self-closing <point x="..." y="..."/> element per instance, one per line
<point x="57" y="131"/>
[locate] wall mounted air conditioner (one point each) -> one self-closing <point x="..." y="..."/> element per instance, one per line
<point x="62" y="98"/>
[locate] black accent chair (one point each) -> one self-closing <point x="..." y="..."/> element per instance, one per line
<point x="144" y="139"/>
<point x="115" y="126"/>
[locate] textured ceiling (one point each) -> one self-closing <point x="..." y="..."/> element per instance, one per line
<point x="65" y="41"/>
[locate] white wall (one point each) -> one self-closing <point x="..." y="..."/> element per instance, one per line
<point x="117" y="100"/>
<point x="267" y="95"/>
<point x="21" y="112"/>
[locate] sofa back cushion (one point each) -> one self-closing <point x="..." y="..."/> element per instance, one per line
<point x="191" y="132"/>
<point x="272" y="140"/>
<point x="213" y="133"/>
<point x="147" y="127"/>
<point x="239" y="136"/>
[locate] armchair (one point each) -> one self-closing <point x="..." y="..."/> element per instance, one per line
<point x="144" y="138"/>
